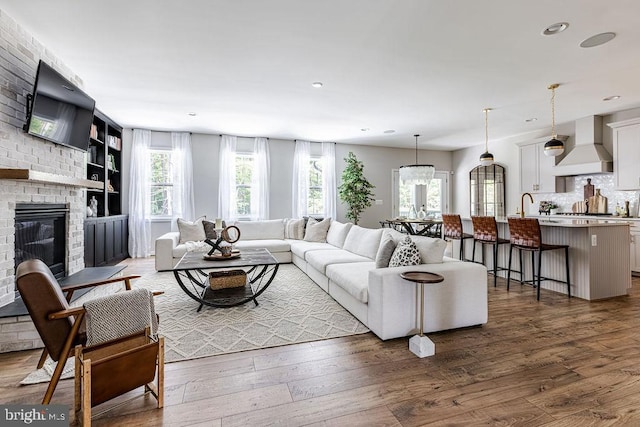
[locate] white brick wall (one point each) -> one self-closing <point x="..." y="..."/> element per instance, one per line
<point x="19" y="56"/>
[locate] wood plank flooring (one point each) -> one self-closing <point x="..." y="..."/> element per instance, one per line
<point x="556" y="362"/>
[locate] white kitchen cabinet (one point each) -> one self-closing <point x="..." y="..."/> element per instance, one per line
<point x="536" y="173"/>
<point x="626" y="154"/>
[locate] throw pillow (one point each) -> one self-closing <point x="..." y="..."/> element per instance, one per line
<point x="191" y="231"/>
<point x="294" y="229"/>
<point x="406" y="253"/>
<point x="385" y="251"/>
<point x="338" y="233"/>
<point x="317" y="231"/>
<point x="210" y="229"/>
<point x="431" y="249"/>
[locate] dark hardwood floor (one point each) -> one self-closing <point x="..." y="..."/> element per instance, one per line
<point x="556" y="362"/>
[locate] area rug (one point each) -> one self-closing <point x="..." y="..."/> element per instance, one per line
<point x="292" y="310"/>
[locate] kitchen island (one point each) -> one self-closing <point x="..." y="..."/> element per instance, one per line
<point x="599" y="259"/>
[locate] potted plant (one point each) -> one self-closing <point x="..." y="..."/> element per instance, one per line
<point x="553" y="209"/>
<point x="355" y="189"/>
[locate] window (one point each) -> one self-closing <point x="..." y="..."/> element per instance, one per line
<point x="315" y="200"/>
<point x="435" y="200"/>
<point x="244" y="175"/>
<point x="161" y="183"/>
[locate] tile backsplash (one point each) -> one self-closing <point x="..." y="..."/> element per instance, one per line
<point x="575" y="193"/>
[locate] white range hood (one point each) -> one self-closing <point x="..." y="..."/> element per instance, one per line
<point x="588" y="155"/>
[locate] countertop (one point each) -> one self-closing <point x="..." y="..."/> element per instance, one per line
<point x="560" y="221"/>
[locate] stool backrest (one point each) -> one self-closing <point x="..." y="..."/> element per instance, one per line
<point x="485" y="228"/>
<point x="451" y="226"/>
<point x="525" y="232"/>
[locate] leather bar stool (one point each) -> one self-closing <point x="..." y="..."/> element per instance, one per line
<point x="452" y="230"/>
<point x="485" y="232"/>
<point x="525" y="235"/>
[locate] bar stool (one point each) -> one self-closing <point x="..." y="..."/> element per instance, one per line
<point x="452" y="230"/>
<point x="525" y="235"/>
<point x="485" y="232"/>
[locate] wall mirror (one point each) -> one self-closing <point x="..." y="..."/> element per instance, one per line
<point x="487" y="190"/>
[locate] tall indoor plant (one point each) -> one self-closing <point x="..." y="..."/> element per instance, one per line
<point x="355" y="189"/>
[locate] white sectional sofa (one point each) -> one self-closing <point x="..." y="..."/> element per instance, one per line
<point x="345" y="267"/>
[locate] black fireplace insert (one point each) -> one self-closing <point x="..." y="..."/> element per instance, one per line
<point x="41" y="232"/>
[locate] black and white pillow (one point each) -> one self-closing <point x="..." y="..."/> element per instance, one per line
<point x="406" y="253"/>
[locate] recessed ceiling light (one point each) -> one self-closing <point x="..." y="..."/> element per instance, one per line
<point x="598" y="40"/>
<point x="531" y="119"/>
<point x="192" y="114"/>
<point x="389" y="131"/>
<point x="364" y="129"/>
<point x="317" y="84"/>
<point x="611" y="98"/>
<point x="555" y="28"/>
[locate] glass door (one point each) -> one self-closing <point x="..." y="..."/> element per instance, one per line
<point x="435" y="199"/>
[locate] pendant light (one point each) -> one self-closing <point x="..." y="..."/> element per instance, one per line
<point x="553" y="147"/>
<point x="416" y="174"/>
<point x="486" y="158"/>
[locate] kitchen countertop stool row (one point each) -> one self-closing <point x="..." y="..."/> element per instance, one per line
<point x="525" y="235"/>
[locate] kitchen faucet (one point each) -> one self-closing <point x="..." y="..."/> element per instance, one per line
<point x="522" y="203"/>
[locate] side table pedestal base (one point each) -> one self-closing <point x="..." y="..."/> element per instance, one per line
<point x="422" y="346"/>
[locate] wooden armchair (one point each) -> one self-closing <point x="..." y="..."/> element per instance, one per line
<point x="58" y="324"/>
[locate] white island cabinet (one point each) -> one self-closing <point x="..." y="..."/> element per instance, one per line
<point x="599" y="258"/>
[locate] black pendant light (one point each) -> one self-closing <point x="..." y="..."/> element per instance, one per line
<point x="486" y="158"/>
<point x="553" y="147"/>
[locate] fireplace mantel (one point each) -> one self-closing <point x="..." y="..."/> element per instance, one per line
<point x="48" y="178"/>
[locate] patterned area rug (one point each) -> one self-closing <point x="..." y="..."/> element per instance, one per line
<point x="292" y="310"/>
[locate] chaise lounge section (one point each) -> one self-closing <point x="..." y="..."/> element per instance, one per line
<point x="343" y="264"/>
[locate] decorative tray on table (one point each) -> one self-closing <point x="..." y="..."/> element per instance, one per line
<point x="219" y="257"/>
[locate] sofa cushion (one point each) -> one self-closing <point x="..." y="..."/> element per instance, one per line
<point x="191" y="231"/>
<point x="431" y="248"/>
<point x="294" y="228"/>
<point x="257" y="230"/>
<point x="338" y="233"/>
<point x="300" y="247"/>
<point x="353" y="278"/>
<point x="179" y="251"/>
<point x="272" y="245"/>
<point x="406" y="253"/>
<point x="317" y="231"/>
<point x="321" y="259"/>
<point x="385" y="251"/>
<point x="363" y="241"/>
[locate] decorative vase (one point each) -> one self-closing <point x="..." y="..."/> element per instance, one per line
<point x="422" y="214"/>
<point x="412" y="212"/>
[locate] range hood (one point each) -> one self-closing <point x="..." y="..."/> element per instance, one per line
<point x="588" y="155"/>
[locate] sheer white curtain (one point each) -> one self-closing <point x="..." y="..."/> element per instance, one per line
<point x="260" y="180"/>
<point x="329" y="185"/>
<point x="182" y="167"/>
<point x="227" y="178"/>
<point x="140" y="195"/>
<point x="300" y="189"/>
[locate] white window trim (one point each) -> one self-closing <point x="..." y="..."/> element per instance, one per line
<point x="417" y="196"/>
<point x="160" y="218"/>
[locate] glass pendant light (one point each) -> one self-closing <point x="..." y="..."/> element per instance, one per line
<point x="486" y="158"/>
<point x="553" y="147"/>
<point x="417" y="174"/>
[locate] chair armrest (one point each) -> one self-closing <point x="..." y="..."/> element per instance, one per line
<point x="62" y="314"/>
<point x="126" y="279"/>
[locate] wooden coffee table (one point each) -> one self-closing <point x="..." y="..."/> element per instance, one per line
<point x="420" y="344"/>
<point x="192" y="274"/>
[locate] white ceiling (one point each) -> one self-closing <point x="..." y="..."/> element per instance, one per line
<point x="415" y="66"/>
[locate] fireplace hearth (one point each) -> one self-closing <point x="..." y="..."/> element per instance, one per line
<point x="41" y="232"/>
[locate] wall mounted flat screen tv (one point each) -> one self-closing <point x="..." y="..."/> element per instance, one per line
<point x="59" y="111"/>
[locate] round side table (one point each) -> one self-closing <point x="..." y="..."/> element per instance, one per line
<point x="420" y="344"/>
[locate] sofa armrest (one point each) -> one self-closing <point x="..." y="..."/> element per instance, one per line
<point x="165" y="245"/>
<point x="459" y="301"/>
